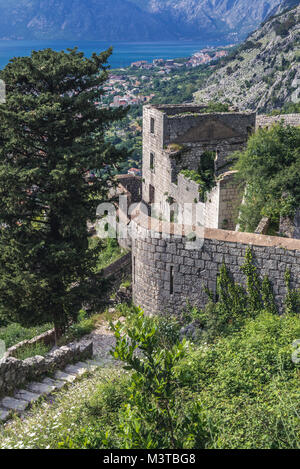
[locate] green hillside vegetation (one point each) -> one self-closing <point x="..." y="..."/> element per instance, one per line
<point x="236" y="386"/>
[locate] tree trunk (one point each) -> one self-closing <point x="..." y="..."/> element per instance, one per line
<point x="57" y="333"/>
<point x="59" y="327"/>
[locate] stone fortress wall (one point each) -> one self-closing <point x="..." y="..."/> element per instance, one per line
<point x="168" y="272"/>
<point x="168" y="268"/>
<point x="268" y="121"/>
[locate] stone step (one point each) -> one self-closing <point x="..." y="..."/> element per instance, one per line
<point x="41" y="388"/>
<point x="4" y="414"/>
<point x="70" y="378"/>
<point x="27" y="396"/>
<point x="86" y="365"/>
<point x="75" y="369"/>
<point x="58" y="384"/>
<point x="35" y="390"/>
<point x="98" y="362"/>
<point x="16" y="405"/>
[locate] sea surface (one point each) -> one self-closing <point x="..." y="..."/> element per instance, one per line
<point x="124" y="52"/>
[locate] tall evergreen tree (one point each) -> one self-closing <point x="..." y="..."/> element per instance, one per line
<point x="51" y="134"/>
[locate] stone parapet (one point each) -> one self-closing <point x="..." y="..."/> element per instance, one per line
<point x="15" y="373"/>
<point x="263" y="121"/>
<point x="169" y="271"/>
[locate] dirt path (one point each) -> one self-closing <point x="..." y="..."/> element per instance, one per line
<point x="103" y="340"/>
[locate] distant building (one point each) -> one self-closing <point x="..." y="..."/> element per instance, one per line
<point x="158" y="61"/>
<point x="221" y="53"/>
<point x="134" y="172"/>
<point x="139" y="64"/>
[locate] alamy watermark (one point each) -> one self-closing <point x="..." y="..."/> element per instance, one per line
<point x="2" y="92"/>
<point x="169" y="220"/>
<point x="296" y="353"/>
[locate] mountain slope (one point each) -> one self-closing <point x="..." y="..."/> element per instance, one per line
<point x="284" y="5"/>
<point x="132" y="20"/>
<point x="264" y="72"/>
<point x="236" y="18"/>
<point x="80" y="19"/>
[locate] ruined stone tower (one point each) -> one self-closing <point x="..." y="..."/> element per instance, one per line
<point x="174" y="139"/>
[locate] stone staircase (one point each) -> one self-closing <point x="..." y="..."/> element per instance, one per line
<point x="34" y="391"/>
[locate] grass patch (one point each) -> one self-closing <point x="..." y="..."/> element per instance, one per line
<point x="84" y="326"/>
<point x="126" y="284"/>
<point x="51" y="422"/>
<point x="31" y="350"/>
<point x="241" y="392"/>
<point x="109" y="251"/>
<point x="15" y="333"/>
<point x="121" y="310"/>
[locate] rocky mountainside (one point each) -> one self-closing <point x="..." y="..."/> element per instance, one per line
<point x="284" y="5"/>
<point x="79" y="19"/>
<point x="132" y="20"/>
<point x="264" y="72"/>
<point x="235" y="18"/>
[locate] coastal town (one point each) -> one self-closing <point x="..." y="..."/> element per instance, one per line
<point x="125" y="87"/>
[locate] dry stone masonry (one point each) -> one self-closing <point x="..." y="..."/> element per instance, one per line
<point x="14" y="373"/>
<point x="263" y="121"/>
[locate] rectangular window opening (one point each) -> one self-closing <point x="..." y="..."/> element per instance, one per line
<point x="152" y="157"/>
<point x="152" y="125"/>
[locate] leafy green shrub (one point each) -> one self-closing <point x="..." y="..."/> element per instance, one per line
<point x="214" y="106"/>
<point x="124" y="309"/>
<point x="269" y="167"/>
<point x="205" y="176"/>
<point x="227" y="311"/>
<point x="283" y="28"/>
<point x="249" y="385"/>
<point x="126" y="284"/>
<point x="249" y="45"/>
<point x="168" y="330"/>
<point x="152" y="417"/>
<point x="175" y="147"/>
<point x="292" y="300"/>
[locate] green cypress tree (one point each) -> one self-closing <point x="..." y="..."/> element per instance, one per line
<point x="51" y="134"/>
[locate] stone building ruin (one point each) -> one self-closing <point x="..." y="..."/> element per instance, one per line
<point x="175" y="138"/>
<point x="171" y="268"/>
